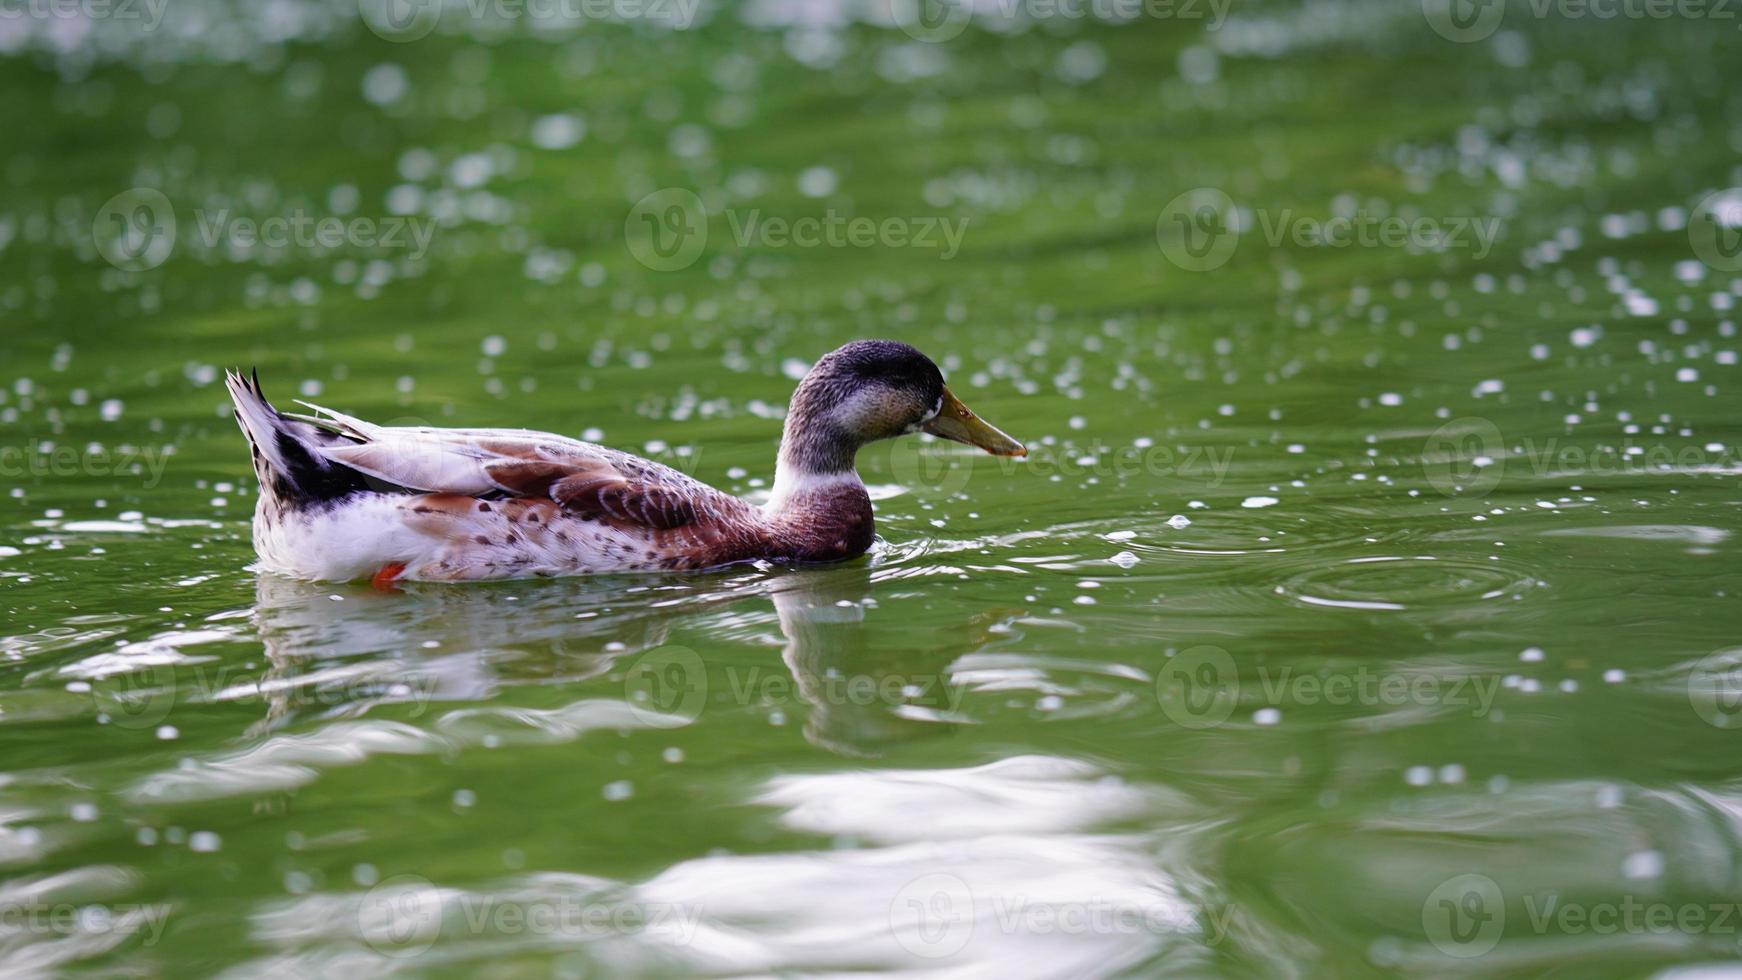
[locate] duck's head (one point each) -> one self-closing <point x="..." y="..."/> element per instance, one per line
<point x="871" y="390"/>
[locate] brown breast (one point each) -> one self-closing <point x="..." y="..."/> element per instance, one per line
<point x="828" y="524"/>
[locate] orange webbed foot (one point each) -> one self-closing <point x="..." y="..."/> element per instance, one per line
<point x="385" y="580"/>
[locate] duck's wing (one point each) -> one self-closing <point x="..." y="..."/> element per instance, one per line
<point x="581" y="477"/>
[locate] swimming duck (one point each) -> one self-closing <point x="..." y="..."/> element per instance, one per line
<point x="343" y="499"/>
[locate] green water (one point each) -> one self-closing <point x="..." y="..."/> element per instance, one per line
<point x="1364" y="609"/>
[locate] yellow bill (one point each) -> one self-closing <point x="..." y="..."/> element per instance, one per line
<point x="955" y="421"/>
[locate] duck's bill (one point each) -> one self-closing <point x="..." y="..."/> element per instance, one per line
<point x="955" y="421"/>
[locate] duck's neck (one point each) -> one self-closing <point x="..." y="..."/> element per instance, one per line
<point x="815" y="465"/>
<point x="815" y="469"/>
<point x="819" y="514"/>
<point x="819" y="509"/>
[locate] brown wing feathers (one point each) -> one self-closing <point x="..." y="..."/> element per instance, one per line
<point x="595" y="491"/>
<point x="610" y="495"/>
<point x="490" y="464"/>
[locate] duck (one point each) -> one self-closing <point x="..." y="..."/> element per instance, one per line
<point x="342" y="499"/>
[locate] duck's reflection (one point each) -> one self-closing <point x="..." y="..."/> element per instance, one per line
<point x="344" y="651"/>
<point x="863" y="698"/>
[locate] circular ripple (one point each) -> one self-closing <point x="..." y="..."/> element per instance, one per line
<point x="1398" y="583"/>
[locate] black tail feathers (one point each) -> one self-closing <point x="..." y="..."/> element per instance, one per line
<point x="286" y="451"/>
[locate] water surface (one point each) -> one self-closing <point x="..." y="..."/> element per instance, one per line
<point x="1364" y="608"/>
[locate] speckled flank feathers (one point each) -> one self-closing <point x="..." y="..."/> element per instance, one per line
<point x="341" y="498"/>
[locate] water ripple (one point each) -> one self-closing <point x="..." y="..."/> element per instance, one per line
<point x="1393" y="583"/>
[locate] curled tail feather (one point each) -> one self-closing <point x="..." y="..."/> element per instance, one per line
<point x="287" y="451"/>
